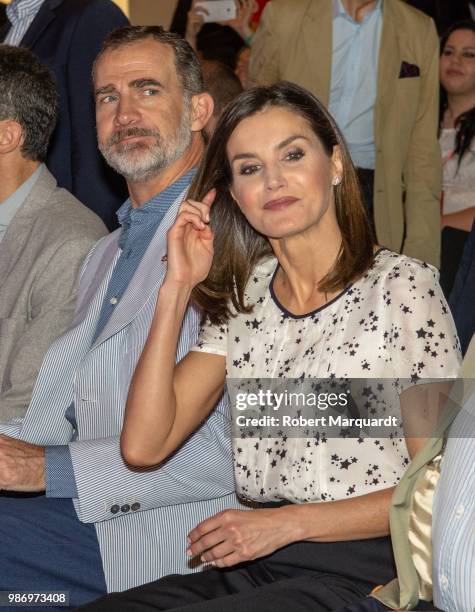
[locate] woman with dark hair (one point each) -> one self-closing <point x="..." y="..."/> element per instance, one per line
<point x="276" y="249"/>
<point x="457" y="131"/>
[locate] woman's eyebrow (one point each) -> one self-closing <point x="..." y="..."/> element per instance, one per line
<point x="281" y="145"/>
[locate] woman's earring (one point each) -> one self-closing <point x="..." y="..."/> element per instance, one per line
<point x="336" y="181"/>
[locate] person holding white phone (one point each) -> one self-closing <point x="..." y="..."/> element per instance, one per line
<point x="235" y="14"/>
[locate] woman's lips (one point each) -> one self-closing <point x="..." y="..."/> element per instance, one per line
<point x="452" y="72"/>
<point x="280" y="203"/>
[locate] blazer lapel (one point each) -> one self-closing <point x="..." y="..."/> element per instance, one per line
<point x="41" y="21"/>
<point x="146" y="279"/>
<point x="317" y="29"/>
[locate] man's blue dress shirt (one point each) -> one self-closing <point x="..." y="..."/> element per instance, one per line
<point x="138" y="228"/>
<point x="355" y="56"/>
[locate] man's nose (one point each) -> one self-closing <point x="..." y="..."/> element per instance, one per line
<point x="126" y="113"/>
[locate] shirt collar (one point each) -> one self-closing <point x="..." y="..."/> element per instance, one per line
<point x="167" y="196"/>
<point x="19" y="9"/>
<point x="339" y="9"/>
<point x="10" y="206"/>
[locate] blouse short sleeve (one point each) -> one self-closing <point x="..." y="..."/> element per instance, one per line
<point x="212" y="339"/>
<point x="421" y="334"/>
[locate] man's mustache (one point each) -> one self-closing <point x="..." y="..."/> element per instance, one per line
<point x="130" y="132"/>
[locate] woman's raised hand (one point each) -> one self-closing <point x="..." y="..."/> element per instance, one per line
<point x="190" y="243"/>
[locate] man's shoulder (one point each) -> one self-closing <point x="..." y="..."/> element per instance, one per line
<point x="61" y="214"/>
<point x="413" y="18"/>
<point x="293" y="9"/>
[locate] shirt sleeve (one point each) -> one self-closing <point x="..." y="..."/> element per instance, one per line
<point x="420" y="330"/>
<point x="213" y="339"/>
<point x="59" y="473"/>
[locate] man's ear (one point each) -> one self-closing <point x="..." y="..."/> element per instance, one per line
<point x="11" y="136"/>
<point x="202" y="107"/>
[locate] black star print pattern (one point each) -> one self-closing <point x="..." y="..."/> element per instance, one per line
<point x="391" y="323"/>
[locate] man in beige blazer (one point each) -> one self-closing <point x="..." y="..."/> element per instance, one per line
<point x="45" y="233"/>
<point x="295" y="42"/>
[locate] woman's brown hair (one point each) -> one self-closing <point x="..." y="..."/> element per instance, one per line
<point x="238" y="247"/>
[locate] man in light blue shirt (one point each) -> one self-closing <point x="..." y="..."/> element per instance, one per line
<point x="356" y="41"/>
<point x="374" y="64"/>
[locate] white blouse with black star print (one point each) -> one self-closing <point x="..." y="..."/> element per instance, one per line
<point x="392" y="323"/>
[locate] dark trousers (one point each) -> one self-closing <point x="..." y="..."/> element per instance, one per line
<point x="301" y="577"/>
<point x="44" y="547"/>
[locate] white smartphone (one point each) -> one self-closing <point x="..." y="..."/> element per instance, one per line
<point x="218" y="10"/>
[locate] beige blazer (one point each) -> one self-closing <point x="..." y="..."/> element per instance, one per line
<point x="40" y="255"/>
<point x="294" y="43"/>
<point x="403" y="593"/>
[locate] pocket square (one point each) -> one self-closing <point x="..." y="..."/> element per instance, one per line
<point x="409" y="70"/>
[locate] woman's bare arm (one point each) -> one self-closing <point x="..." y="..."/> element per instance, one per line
<point x="166" y="403"/>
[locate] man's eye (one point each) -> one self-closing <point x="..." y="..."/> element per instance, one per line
<point x="250" y="169"/>
<point x="150" y="92"/>
<point x="294" y="155"/>
<point x="107" y="99"/>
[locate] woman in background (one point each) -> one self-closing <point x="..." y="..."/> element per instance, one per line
<point x="457" y="131"/>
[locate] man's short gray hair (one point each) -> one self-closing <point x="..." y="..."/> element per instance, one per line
<point x="187" y="64"/>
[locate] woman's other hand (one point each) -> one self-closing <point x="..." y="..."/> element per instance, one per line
<point x="235" y="536"/>
<point x="190" y="243"/>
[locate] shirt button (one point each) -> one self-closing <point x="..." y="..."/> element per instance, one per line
<point x="115" y="508"/>
<point x="444" y="581"/>
<point x="460" y="510"/>
<point x="135" y="506"/>
<point x="125" y="508"/>
<point x="114" y="301"/>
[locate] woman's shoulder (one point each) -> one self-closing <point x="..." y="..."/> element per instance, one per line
<point x="390" y="266"/>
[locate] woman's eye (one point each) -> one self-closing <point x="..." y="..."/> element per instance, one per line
<point x="469" y="54"/>
<point x="447" y="52"/>
<point x="294" y="155"/>
<point x="250" y="169"/>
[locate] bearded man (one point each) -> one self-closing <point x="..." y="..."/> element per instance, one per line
<point x="102" y="526"/>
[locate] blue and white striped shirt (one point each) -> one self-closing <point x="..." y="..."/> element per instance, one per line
<point x="138" y="228"/>
<point x="453" y="529"/>
<point x="20" y="13"/>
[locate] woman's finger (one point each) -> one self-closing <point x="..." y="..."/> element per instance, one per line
<point x="228" y="561"/>
<point x="196" y="208"/>
<point x="217" y="552"/>
<point x="206" y="542"/>
<point x="203" y="206"/>
<point x="184" y="218"/>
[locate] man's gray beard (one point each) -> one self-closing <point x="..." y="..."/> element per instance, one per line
<point x="138" y="161"/>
